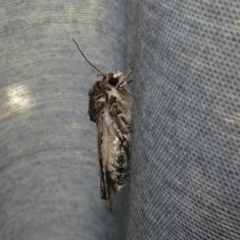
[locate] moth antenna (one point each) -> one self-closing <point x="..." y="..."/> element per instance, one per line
<point x="87" y="59"/>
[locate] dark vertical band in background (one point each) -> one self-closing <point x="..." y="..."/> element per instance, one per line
<point x="185" y="164"/>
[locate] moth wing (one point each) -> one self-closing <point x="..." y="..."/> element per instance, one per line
<point x="104" y="181"/>
<point x="116" y="144"/>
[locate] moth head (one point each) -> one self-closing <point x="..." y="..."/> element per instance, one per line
<point x="114" y="79"/>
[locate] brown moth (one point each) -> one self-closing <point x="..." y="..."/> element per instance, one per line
<point x="110" y="107"/>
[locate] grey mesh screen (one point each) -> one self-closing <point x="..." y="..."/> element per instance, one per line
<point x="185" y="164"/>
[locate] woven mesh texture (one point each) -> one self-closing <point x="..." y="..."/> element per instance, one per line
<point x="185" y="168"/>
<point x="185" y="162"/>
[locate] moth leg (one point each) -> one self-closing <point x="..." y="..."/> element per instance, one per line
<point x="124" y="78"/>
<point x="128" y="74"/>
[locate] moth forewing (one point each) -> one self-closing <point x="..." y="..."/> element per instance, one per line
<point x="110" y="104"/>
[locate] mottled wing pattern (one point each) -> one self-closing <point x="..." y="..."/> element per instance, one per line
<point x="110" y="108"/>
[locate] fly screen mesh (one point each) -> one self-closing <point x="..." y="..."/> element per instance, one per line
<point x="185" y="162"/>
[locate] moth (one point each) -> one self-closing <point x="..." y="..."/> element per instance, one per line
<point x="110" y="107"/>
